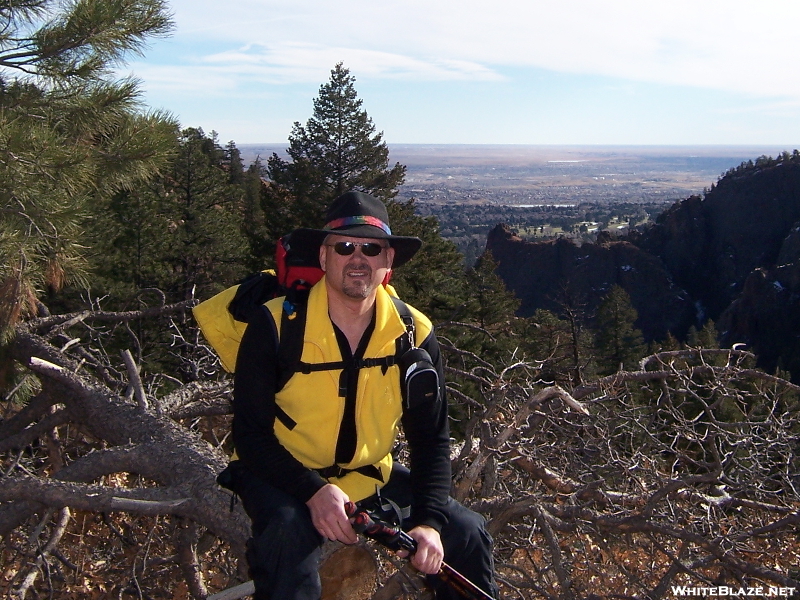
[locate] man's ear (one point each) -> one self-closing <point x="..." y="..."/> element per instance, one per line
<point x="322" y="256"/>
<point x="390" y="257"/>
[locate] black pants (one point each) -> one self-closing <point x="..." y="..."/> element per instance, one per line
<point x="284" y="552"/>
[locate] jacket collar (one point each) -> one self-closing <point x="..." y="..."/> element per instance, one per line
<point x="388" y="324"/>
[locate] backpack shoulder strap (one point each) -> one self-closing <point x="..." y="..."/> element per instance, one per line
<point x="408" y="321"/>
<point x="292" y="333"/>
<point x="280" y="414"/>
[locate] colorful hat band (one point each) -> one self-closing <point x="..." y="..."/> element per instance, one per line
<point x="359" y="220"/>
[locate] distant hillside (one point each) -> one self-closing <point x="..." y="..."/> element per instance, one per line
<point x="732" y="256"/>
<point x="550" y="274"/>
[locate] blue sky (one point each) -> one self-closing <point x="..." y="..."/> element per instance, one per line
<point x="499" y="72"/>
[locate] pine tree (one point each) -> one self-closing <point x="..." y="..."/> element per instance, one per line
<point x="485" y="302"/>
<point x="255" y="226"/>
<point x="69" y="134"/>
<point x="208" y="250"/>
<point x="619" y="343"/>
<point x="547" y="341"/>
<point x="232" y="162"/>
<point x="434" y="280"/>
<point x="337" y="150"/>
<point x="128" y="241"/>
<point x="183" y="232"/>
<point x="340" y="146"/>
<point x="573" y="311"/>
<point x="491" y="303"/>
<point x="707" y="337"/>
<point x="669" y="344"/>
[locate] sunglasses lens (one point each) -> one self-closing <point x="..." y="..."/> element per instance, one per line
<point x="344" y="248"/>
<point x="371" y="249"/>
<point x="347" y="248"/>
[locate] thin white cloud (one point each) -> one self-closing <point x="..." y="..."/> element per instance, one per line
<point x="184" y="79"/>
<point x="236" y="69"/>
<point x="731" y="45"/>
<point x="250" y="67"/>
<point x="293" y="62"/>
<point x="781" y="109"/>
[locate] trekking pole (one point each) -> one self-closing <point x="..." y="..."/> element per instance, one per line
<point x="395" y="538"/>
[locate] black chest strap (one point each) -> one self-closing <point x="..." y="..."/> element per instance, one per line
<point x="290" y="347"/>
<point x="289" y="361"/>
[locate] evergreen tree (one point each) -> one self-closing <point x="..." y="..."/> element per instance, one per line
<point x="668" y="344"/>
<point x="128" y="242"/>
<point x="69" y="134"/>
<point x="547" y="341"/>
<point x="336" y="151"/>
<point x="340" y="146"/>
<point x="232" y="162"/>
<point x="484" y="301"/>
<point x="208" y="250"/>
<point x="183" y="232"/>
<point x="707" y="337"/>
<point x="491" y="304"/>
<point x="255" y="226"/>
<point x="580" y="339"/>
<point x="619" y="343"/>
<point x="434" y="280"/>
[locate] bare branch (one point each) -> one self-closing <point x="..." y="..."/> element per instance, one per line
<point x="42" y="555"/>
<point x="135" y="380"/>
<point x="234" y="593"/>
<point x="96" y="498"/>
<point x="36" y="408"/>
<point x="28" y="435"/>
<point x="61" y="322"/>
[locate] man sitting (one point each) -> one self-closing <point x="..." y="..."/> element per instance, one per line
<point x="325" y="438"/>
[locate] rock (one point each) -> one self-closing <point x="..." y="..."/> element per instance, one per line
<point x="712" y="245"/>
<point x="542" y="274"/>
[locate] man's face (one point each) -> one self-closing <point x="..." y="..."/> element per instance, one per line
<point x="356" y="275"/>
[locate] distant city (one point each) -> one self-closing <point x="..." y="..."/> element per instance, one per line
<point x="512" y="175"/>
<point x="548" y="192"/>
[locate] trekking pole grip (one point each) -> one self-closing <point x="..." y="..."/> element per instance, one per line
<point x="395" y="538"/>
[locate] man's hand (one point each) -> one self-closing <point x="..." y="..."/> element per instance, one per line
<point x="328" y="516"/>
<point x="430" y="553"/>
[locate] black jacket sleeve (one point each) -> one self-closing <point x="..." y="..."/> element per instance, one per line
<point x="427" y="432"/>
<point x="254" y="414"/>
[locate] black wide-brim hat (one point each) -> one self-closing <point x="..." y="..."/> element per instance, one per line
<point x="358" y="215"/>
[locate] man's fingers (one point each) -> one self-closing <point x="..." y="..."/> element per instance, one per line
<point x="345" y="533"/>
<point x="429" y="554"/>
<point x="337" y="530"/>
<point x="426" y="562"/>
<point x="328" y="515"/>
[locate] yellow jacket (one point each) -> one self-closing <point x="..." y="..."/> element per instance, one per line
<point x="313" y="402"/>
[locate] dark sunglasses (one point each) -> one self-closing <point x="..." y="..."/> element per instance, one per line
<point x="347" y="248"/>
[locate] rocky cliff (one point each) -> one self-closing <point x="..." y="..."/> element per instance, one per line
<point x="732" y="256"/>
<point x="711" y="245"/>
<point x="548" y="274"/>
